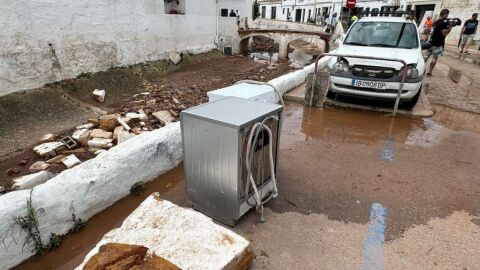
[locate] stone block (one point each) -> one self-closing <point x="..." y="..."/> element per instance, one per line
<point x="31" y="180"/>
<point x="100" y="143"/>
<point x="38" y="166"/>
<point x="79" y="133"/>
<point x="175" y="57"/>
<point x="185" y="237"/>
<point x="45" y="148"/>
<point x="164" y="117"/>
<point x="124" y="136"/>
<point x="100" y="133"/>
<point x="99" y="95"/>
<point x="71" y="161"/>
<point x="108" y="121"/>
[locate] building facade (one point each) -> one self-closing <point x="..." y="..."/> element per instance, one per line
<point x="333" y="10"/>
<point x="307" y="10"/>
<point x="41" y="42"/>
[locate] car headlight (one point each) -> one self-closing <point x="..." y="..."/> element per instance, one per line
<point x="412" y="73"/>
<point x="340" y="67"/>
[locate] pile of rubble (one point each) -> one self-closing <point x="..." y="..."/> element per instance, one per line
<point x="263" y="44"/>
<point x="88" y="140"/>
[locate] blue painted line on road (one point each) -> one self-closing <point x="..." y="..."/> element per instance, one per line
<point x="388" y="150"/>
<point x="373" y="251"/>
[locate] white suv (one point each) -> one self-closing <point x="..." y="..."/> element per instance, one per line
<point x="389" y="37"/>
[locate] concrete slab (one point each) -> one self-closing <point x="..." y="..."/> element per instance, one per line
<point x="183" y="236"/>
<point x="423" y="107"/>
<point x="297" y="94"/>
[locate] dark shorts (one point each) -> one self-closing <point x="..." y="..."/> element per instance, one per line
<point x="435" y="51"/>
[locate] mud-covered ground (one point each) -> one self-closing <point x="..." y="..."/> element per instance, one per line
<point x="59" y="107"/>
<point x="330" y="172"/>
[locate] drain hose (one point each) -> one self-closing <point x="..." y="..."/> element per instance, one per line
<point x="252" y="141"/>
<point x="268" y="84"/>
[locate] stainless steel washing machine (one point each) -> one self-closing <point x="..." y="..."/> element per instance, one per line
<point x="215" y="137"/>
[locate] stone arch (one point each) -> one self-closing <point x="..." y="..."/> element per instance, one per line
<point x="316" y="42"/>
<point x="245" y="40"/>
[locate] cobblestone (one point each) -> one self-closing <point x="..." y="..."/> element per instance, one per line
<point x="454" y="84"/>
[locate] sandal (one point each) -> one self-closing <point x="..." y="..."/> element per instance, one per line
<point x="466" y="52"/>
<point x="429" y="74"/>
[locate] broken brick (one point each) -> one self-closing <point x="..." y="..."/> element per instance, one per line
<point x="164" y="117"/>
<point x="100" y="133"/>
<point x="38" y="166"/>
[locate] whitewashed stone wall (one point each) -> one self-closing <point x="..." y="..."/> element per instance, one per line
<point x="50" y="40"/>
<point x="86" y="189"/>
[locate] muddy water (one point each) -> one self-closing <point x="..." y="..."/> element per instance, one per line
<point x="331" y="163"/>
<point x="75" y="246"/>
<point x="342" y="161"/>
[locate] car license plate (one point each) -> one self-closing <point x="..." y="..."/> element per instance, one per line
<point x="369" y="84"/>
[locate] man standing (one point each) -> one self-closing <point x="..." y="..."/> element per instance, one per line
<point x="468" y="32"/>
<point x="238" y="18"/>
<point x="440" y="31"/>
<point x="428" y="25"/>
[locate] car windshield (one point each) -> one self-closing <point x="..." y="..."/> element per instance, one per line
<point x="383" y="34"/>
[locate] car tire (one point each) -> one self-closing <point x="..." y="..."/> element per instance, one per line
<point x="412" y="102"/>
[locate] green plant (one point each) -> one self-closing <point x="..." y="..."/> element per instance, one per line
<point x="55" y="241"/>
<point x="29" y="224"/>
<point x="256" y="10"/>
<point x="78" y="223"/>
<point x="137" y="188"/>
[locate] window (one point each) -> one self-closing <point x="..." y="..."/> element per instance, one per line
<point x="224" y="12"/>
<point x="273" y="14"/>
<point x="264" y="10"/>
<point x="174" y="6"/>
<point x="383" y="34"/>
<point x="309" y="15"/>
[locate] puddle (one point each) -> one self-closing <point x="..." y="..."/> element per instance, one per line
<point x="75" y="246"/>
<point x="346" y="126"/>
<point x="426" y="135"/>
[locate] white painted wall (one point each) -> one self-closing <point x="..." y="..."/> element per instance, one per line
<point x="243" y="6"/>
<point x="90" y="36"/>
<point x="87" y="189"/>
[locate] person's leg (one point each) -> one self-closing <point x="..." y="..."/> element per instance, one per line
<point x="462" y="44"/>
<point x="467" y="43"/>
<point x="432" y="65"/>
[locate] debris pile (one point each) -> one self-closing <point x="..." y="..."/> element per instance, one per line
<point x="88" y="140"/>
<point x="263" y="44"/>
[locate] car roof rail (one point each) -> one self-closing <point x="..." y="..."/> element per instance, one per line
<point x="410" y="14"/>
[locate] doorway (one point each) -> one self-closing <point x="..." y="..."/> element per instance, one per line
<point x="298" y="15"/>
<point x="420" y="11"/>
